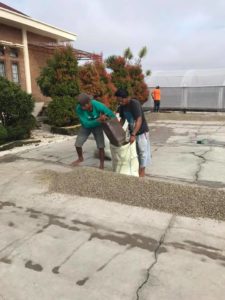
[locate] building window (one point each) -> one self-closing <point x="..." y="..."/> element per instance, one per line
<point x="2" y="68"/>
<point x="14" y="53"/>
<point x="2" y="51"/>
<point x="15" y="73"/>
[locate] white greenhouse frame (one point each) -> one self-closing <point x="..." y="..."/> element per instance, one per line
<point x="189" y="90"/>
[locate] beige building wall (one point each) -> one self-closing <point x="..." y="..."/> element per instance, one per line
<point x="13" y="35"/>
<point x="38" y="57"/>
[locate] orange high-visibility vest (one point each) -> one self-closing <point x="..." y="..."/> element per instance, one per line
<point x="156" y="95"/>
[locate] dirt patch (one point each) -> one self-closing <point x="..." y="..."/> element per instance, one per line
<point x="178" y="199"/>
<point x="8" y="158"/>
<point x="44" y="176"/>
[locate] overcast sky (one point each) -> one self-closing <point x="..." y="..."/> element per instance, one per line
<point x="179" y="34"/>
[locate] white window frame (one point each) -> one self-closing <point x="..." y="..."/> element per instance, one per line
<point x="2" y="63"/>
<point x="17" y="74"/>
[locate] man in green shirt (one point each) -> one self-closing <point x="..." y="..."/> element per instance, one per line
<point x="92" y="114"/>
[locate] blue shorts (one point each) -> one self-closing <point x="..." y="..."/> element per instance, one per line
<point x="84" y="133"/>
<point x="143" y="149"/>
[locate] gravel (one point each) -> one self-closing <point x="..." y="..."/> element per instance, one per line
<point x="173" y="198"/>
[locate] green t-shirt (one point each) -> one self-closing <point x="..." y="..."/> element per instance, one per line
<point x="88" y="119"/>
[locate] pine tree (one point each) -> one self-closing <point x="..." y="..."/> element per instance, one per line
<point x="95" y="81"/>
<point x="59" y="80"/>
<point x="60" y="76"/>
<point x="129" y="75"/>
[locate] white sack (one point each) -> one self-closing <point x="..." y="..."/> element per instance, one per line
<point x="124" y="159"/>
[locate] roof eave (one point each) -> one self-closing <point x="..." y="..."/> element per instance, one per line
<point x="36" y="26"/>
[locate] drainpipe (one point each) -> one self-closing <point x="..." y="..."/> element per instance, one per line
<point x="26" y="62"/>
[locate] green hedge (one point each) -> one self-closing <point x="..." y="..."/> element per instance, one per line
<point x="16" y="107"/>
<point x="3" y="133"/>
<point x="61" y="111"/>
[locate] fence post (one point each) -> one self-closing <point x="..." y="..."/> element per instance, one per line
<point x="220" y="99"/>
<point x="184" y="98"/>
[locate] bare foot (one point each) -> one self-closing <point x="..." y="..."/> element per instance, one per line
<point x="142" y="172"/>
<point x="77" y="162"/>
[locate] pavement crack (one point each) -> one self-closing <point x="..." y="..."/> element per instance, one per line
<point x="156" y="254"/>
<point x="42" y="160"/>
<point x="156" y="149"/>
<point x="200" y="163"/>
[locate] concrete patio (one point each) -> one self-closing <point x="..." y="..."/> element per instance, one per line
<point x="57" y="244"/>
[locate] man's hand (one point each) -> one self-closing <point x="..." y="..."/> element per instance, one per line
<point x="102" y="118"/>
<point x="132" y="139"/>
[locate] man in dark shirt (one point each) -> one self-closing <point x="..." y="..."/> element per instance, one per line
<point x="131" y="110"/>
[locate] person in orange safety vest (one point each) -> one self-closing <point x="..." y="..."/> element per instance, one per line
<point x="156" y="96"/>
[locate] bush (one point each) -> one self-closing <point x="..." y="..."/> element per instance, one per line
<point x="61" y="111"/>
<point x="3" y="133"/>
<point x="59" y="80"/>
<point x="60" y="77"/>
<point x="16" y="107"/>
<point x="22" y="129"/>
<point x="95" y="80"/>
<point x="16" y="133"/>
<point x="128" y="74"/>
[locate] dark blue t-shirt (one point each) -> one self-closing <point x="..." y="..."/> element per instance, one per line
<point x="131" y="112"/>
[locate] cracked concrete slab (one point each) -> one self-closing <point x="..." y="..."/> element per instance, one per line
<point x="89" y="248"/>
<point x="158" y="250"/>
<point x="179" y="162"/>
<point x="193" y="275"/>
<point x="59" y="245"/>
<point x="184" y="139"/>
<point x="133" y="251"/>
<point x="175" y="142"/>
<point x="63" y="153"/>
<point x="213" y="171"/>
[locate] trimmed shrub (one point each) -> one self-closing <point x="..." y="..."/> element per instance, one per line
<point x="60" y="77"/>
<point x="16" y="107"/>
<point x="61" y="111"/>
<point x="22" y="129"/>
<point x="3" y="133"/>
<point x="59" y="80"/>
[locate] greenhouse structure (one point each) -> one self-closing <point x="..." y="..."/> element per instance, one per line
<point x="202" y="90"/>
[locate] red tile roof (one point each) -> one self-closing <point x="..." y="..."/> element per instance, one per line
<point x="2" y="5"/>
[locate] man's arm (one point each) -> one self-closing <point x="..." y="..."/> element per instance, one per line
<point x="153" y="94"/>
<point x="104" y="110"/>
<point x="137" y="127"/>
<point x="137" y="115"/>
<point x="122" y="121"/>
